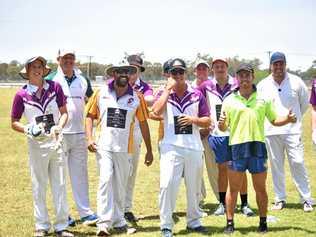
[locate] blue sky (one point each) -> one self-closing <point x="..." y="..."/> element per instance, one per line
<point x="105" y="29"/>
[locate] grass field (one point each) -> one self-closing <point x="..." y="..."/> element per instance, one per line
<point x="16" y="208"/>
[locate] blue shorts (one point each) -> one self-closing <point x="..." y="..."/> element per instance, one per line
<point x="251" y="156"/>
<point x="221" y="148"/>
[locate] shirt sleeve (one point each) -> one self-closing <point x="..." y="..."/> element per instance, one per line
<point x="202" y="88"/>
<point x="148" y="91"/>
<point x="303" y="97"/>
<point x="17" y="107"/>
<point x="92" y="108"/>
<point x="313" y="94"/>
<point x="204" y="110"/>
<point x="61" y="99"/>
<point x="270" y="111"/>
<point x="142" y="109"/>
<point x="89" y="91"/>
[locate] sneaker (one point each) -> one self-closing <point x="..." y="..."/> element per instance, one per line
<point x="278" y="205"/>
<point x="166" y="233"/>
<point x="71" y="222"/>
<point x="200" y="229"/>
<point x="129" y="216"/>
<point x="204" y="214"/>
<point x="103" y="231"/>
<point x="307" y="206"/>
<point x="40" y="233"/>
<point x="220" y="210"/>
<point x="263" y="228"/>
<point x="246" y="210"/>
<point x="64" y="233"/>
<point x="229" y="229"/>
<point x="125" y="229"/>
<point x="90" y="220"/>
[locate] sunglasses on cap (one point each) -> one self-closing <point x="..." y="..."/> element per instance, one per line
<point x="175" y="72"/>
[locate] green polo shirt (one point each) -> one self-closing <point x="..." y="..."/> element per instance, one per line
<point x="245" y="118"/>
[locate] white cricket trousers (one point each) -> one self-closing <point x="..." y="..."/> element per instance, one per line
<point x="211" y="168"/>
<point x="293" y="146"/>
<point x="132" y="178"/>
<point x="48" y="165"/>
<point x="77" y="155"/>
<point x="175" y="161"/>
<point x="114" y="169"/>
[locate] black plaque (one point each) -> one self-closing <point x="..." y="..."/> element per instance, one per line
<point x="116" y="118"/>
<point x="47" y="120"/>
<point x="218" y="109"/>
<point x="181" y="129"/>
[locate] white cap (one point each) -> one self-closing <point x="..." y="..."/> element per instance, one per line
<point x="64" y="52"/>
<point x="199" y="62"/>
<point x="219" y="59"/>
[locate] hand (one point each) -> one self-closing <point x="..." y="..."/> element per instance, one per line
<point x="222" y="120"/>
<point x="314" y="136"/>
<point x="171" y="83"/>
<point x="55" y="131"/>
<point x="92" y="146"/>
<point x="185" y="120"/>
<point x="34" y="130"/>
<point x="148" y="158"/>
<point x="291" y="117"/>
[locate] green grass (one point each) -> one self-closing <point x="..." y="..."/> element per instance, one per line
<point x="16" y="208"/>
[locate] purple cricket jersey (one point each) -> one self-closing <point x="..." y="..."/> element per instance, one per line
<point x="313" y="93"/>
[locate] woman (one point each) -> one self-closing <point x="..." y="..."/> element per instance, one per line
<point x="44" y="106"/>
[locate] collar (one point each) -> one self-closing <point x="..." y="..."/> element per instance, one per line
<point x="32" y="89"/>
<point x="129" y="90"/>
<point x="253" y="87"/>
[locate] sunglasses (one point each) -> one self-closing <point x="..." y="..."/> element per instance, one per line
<point x="177" y="72"/>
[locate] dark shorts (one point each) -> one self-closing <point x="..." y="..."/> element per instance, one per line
<point x="221" y="148"/>
<point x="251" y="156"/>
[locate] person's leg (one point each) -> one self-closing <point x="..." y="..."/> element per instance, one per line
<point x="105" y="196"/>
<point x="39" y="175"/>
<point x="57" y="177"/>
<point x="171" y="170"/>
<point x="235" y="182"/>
<point x="193" y="165"/>
<point x="78" y="172"/>
<point x="211" y="167"/>
<point x="244" y="207"/>
<point x="295" y="153"/>
<point x="132" y="179"/>
<point x="275" y="147"/>
<point x="122" y="163"/>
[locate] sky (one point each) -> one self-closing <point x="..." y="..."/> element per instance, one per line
<point x="106" y="29"/>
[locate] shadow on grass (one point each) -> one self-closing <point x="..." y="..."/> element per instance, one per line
<point x="247" y="230"/>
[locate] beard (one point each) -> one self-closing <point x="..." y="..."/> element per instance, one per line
<point x="122" y="81"/>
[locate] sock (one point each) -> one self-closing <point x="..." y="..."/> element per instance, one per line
<point x="263" y="220"/>
<point x="230" y="222"/>
<point x="222" y="196"/>
<point x="244" y="199"/>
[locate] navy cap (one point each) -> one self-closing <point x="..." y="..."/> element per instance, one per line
<point x="166" y="66"/>
<point x="276" y="57"/>
<point x="177" y="63"/>
<point x="245" y="67"/>
<point x="136" y="60"/>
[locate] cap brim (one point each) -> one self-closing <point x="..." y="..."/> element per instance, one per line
<point x="206" y="64"/>
<point x="219" y="60"/>
<point x="142" y="69"/>
<point x="130" y="68"/>
<point x="177" y="67"/>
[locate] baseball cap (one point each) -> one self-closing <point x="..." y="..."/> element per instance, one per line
<point x="136" y="60"/>
<point x="219" y="59"/>
<point x="276" y="57"/>
<point x="166" y="66"/>
<point x="64" y="52"/>
<point x="23" y="72"/>
<point x="178" y="63"/>
<point x="199" y="62"/>
<point x="245" y="67"/>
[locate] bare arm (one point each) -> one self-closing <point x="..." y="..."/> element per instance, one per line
<point x="63" y="116"/>
<point x="146" y="136"/>
<point x="203" y="122"/>
<point x="280" y="121"/>
<point x="89" y="128"/>
<point x="16" y="125"/>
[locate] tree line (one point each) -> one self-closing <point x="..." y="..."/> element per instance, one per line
<point x="9" y="71"/>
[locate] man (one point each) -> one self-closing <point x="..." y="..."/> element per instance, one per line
<point x="288" y="92"/>
<point x="313" y="103"/>
<point x="139" y="85"/>
<point x="76" y="89"/>
<point x="243" y="112"/>
<point x="201" y="72"/>
<point x="115" y="106"/>
<point x="44" y="106"/>
<point x="215" y="91"/>
<point x="184" y="111"/>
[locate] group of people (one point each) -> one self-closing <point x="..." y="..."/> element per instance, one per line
<point x="228" y="123"/>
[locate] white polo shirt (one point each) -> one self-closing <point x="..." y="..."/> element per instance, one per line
<point x="75" y="93"/>
<point x="215" y="97"/>
<point x="193" y="103"/>
<point x="116" y="117"/>
<point x="292" y="94"/>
